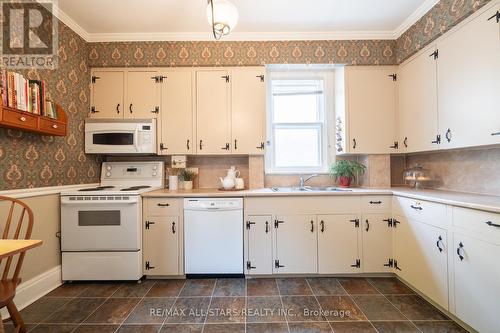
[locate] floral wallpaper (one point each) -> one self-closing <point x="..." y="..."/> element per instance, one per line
<point x="441" y="18"/>
<point x="31" y="160"/>
<point x="245" y="53"/>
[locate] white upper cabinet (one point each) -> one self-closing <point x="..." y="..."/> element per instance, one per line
<point x="469" y="83"/>
<point x="212" y="112"/>
<point x="176" y="119"/>
<point x="143" y="98"/>
<point x="368" y="113"/>
<point x="418" y="117"/>
<point x="248" y="110"/>
<point x="107" y="94"/>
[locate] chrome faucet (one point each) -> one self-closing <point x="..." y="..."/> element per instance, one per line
<point x="302" y="181"/>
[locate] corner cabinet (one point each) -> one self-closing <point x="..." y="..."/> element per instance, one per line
<point x="469" y="82"/>
<point x="366" y="101"/>
<point x="162" y="237"/>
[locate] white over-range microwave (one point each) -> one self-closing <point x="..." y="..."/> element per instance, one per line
<point x="120" y="136"/>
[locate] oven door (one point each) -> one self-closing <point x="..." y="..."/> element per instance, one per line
<point x="100" y="223"/>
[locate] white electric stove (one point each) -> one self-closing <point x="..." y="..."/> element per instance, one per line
<point x="101" y="227"/>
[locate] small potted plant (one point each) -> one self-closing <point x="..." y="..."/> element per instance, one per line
<point x="345" y="171"/>
<point x="187" y="176"/>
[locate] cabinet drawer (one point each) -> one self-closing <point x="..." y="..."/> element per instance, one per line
<point x="163" y="206"/>
<point x="376" y="204"/>
<point x="421" y="210"/>
<point x="478" y="221"/>
<point x="52" y="126"/>
<point x="22" y="119"/>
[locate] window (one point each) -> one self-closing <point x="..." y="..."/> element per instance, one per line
<point x="299" y="106"/>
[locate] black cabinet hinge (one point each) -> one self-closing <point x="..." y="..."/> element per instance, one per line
<point x="249" y="224"/>
<point x="95" y="78"/>
<point x="395" y="145"/>
<point x="226" y="77"/>
<point x="148" y="266"/>
<point x="434" y="54"/>
<point x="148" y="224"/>
<point x="356" y="222"/>
<point x="277" y="223"/>
<point x="357" y="264"/>
<point x="390" y="263"/>
<point x="394" y="76"/>
<point x="396" y="265"/>
<point x="156" y="110"/>
<point x="395" y="223"/>
<point x="389" y="222"/>
<point x="277" y="264"/>
<point x="249" y="265"/>
<point x="261" y="146"/>
<point x="438" y="139"/>
<point x="261" y="77"/>
<point x="162" y="147"/>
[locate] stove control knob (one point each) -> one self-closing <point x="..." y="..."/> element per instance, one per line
<point x="108" y="167"/>
<point x="155" y="167"/>
<point x="108" y="174"/>
<point x="154" y="174"/>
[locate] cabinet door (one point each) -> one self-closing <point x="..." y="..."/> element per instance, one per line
<point x="248" y="109"/>
<point x="161" y="246"/>
<point x="476" y="282"/>
<point x="418" y="113"/>
<point x="296" y="244"/>
<point x="143" y="98"/>
<point x="421" y="254"/>
<point x="371" y="107"/>
<point x="377" y="243"/>
<point x="107" y="94"/>
<point x="259" y="245"/>
<point x="212" y="112"/>
<point x="338" y="244"/>
<point x="469" y="84"/>
<point x="176" y="116"/>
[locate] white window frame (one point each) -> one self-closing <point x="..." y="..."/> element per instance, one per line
<point x="304" y="72"/>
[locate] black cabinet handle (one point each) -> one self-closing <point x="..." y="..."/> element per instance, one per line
<point x="416" y="207"/>
<point x="163" y="205"/>
<point x="187" y="144"/>
<point x="173" y="227"/>
<point x="460" y="246"/>
<point x="375" y="202"/>
<point x="118" y="108"/>
<point x="322" y="223"/>
<point x="130" y="108"/>
<point x="235" y="144"/>
<point x="437" y="244"/>
<point x="448" y="135"/>
<point x="491" y="224"/>
<point x="367" y="225"/>
<point x="312" y="226"/>
<point x="267" y="227"/>
<point x="201" y="144"/>
<point x="354" y="143"/>
<point x="405" y="141"/>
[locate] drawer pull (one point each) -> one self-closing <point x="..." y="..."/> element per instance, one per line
<point x="322" y="224"/>
<point x="367" y="225"/>
<point x="440" y="239"/>
<point x="54" y="126"/>
<point x="459" y="252"/>
<point x="491" y="224"/>
<point x="375" y="202"/>
<point x="22" y="118"/>
<point x="312" y="226"/>
<point x="416" y="207"/>
<point x="267" y="227"/>
<point x="173" y="227"/>
<point x="163" y="205"/>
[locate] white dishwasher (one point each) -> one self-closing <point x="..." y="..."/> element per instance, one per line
<point x="213" y="236"/>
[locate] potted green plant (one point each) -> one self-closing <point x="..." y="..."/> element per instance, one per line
<point x="345" y="171"/>
<point x="187" y="176"/>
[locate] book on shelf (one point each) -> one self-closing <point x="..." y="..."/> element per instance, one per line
<point x="26" y="95"/>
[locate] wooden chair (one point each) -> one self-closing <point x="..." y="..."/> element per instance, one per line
<point x="9" y="281"/>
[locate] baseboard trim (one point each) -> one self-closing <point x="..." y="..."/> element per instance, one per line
<point x="35" y="288"/>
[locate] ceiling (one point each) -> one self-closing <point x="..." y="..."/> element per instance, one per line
<point x="127" y="20"/>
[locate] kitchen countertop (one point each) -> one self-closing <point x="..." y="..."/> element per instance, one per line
<point x="468" y="200"/>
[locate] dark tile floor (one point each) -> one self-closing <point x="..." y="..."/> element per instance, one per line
<point x="355" y="305"/>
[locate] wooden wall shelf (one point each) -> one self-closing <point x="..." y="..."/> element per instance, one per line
<point x="29" y="122"/>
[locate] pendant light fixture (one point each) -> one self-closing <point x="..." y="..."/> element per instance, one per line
<point x="222" y="15"/>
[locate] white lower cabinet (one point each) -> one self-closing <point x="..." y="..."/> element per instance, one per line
<point x="477" y="277"/>
<point x="296" y="244"/>
<point x="421" y="258"/>
<point x="377" y="249"/>
<point x="259" y="244"/>
<point x="338" y="244"/>
<point x="161" y="245"/>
